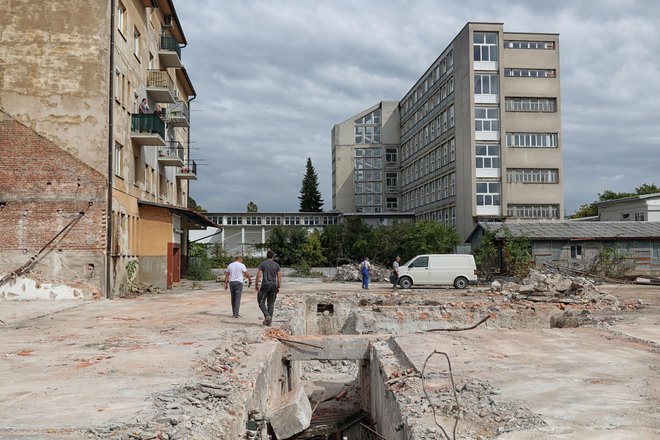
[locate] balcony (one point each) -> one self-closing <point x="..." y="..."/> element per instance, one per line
<point x="188" y="172"/>
<point x="178" y="114"/>
<point x="169" y="52"/>
<point x="160" y="86"/>
<point x="171" y="156"/>
<point x="147" y="130"/>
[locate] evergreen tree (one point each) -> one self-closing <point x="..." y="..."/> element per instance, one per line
<point x="252" y="207"/>
<point x="310" y="197"/>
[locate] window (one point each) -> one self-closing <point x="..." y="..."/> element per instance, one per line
<point x="487" y="119"/>
<point x="533" y="211"/>
<point x="576" y="252"/>
<point x="516" y="175"/>
<point x="136" y="43"/>
<point x="119" y="158"/>
<point x="391" y="155"/>
<point x="539" y="140"/>
<point x="235" y="220"/>
<point x="452" y="184"/>
<point x="253" y="220"/>
<point x="452" y="150"/>
<point x="391" y="181"/>
<point x="485" y="46"/>
<point x="451" y="116"/>
<point x="420" y="262"/>
<point x="391" y="203"/>
<point x="367" y="128"/>
<point x="488" y="193"/>
<point x="291" y="220"/>
<point x="530" y="73"/>
<point x="121" y="18"/>
<point x="485" y="84"/>
<point x="270" y="220"/>
<point x="531" y="104"/>
<point x="488" y="156"/>
<point x="118" y="84"/>
<point x="520" y="44"/>
<point x="655" y="251"/>
<point x="639" y="217"/>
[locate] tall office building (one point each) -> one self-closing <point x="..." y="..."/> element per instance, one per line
<point x="95" y="130"/>
<point x="478" y="137"/>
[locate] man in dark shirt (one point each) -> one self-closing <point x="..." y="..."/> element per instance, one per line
<point x="269" y="272"/>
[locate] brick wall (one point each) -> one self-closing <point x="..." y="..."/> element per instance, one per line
<point x="42" y="189"/>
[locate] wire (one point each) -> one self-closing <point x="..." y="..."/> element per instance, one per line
<point x="453" y="387"/>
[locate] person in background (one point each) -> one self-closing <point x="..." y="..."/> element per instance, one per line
<point x="395" y="272"/>
<point x="234" y="276"/>
<point x="269" y="272"/>
<point x="365" y="270"/>
<point x="144" y="107"/>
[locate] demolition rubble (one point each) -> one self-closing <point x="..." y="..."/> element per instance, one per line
<point x="530" y="358"/>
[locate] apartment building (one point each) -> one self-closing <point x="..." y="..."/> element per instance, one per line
<point x="108" y="180"/>
<point x="479" y="136"/>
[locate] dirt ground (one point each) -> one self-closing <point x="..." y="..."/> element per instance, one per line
<point x="111" y="369"/>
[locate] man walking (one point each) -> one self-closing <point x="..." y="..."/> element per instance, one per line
<point x="269" y="276"/>
<point x="365" y="269"/>
<point x="234" y="276"/>
<point x="395" y="272"/>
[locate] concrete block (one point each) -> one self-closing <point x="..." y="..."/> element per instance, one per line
<point x="291" y="414"/>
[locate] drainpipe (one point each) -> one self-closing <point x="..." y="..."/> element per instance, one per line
<point x="111" y="141"/>
<point x="186" y="201"/>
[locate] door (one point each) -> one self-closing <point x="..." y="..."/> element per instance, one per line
<point x="173" y="264"/>
<point x="419" y="270"/>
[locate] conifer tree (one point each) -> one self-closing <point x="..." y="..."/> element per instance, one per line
<point x="310" y="197"/>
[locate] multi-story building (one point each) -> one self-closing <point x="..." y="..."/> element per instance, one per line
<point x="479" y="136"/>
<point x="74" y="73"/>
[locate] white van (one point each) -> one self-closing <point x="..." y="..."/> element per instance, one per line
<point x="458" y="270"/>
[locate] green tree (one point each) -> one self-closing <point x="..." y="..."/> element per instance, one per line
<point x="591" y="209"/>
<point x="288" y="244"/>
<point x="487" y="255"/>
<point x="310" y="196"/>
<point x="192" y="204"/>
<point x="313" y="250"/>
<point x="517" y="254"/>
<point x="252" y="207"/>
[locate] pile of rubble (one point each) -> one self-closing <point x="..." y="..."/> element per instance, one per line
<point x="351" y="272"/>
<point x="554" y="287"/>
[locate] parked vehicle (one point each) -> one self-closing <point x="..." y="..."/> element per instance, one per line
<point x="458" y="270"/>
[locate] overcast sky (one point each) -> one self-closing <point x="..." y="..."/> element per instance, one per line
<point x="273" y="77"/>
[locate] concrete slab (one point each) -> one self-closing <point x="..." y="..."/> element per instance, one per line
<point x="292" y="414"/>
<point x="584" y="383"/>
<point x="74" y="365"/>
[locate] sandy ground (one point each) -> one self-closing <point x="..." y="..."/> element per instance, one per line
<point x="66" y="366"/>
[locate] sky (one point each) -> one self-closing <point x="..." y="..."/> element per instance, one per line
<point x="273" y="77"/>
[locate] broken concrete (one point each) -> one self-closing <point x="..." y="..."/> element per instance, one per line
<point x="177" y="365"/>
<point x="292" y="414"/>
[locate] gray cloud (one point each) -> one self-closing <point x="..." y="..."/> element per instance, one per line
<point x="274" y="77"/>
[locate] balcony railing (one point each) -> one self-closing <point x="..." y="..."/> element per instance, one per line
<point x="178" y="114"/>
<point x="148" y="124"/>
<point x="188" y="171"/>
<point x="169" y="51"/>
<point x="160" y="86"/>
<point x="172" y="155"/>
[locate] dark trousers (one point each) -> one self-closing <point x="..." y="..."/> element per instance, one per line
<point x="236" y="290"/>
<point x="266" y="298"/>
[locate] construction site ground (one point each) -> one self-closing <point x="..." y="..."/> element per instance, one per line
<point x="116" y="368"/>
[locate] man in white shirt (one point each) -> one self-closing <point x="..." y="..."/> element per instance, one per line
<point x="234" y="276"/>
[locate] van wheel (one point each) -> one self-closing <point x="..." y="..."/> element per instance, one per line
<point x="405" y="283"/>
<point x="460" y="283"/>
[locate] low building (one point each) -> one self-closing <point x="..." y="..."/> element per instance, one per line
<point x="244" y="232"/>
<point x="577" y="245"/>
<point x="643" y="208"/>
